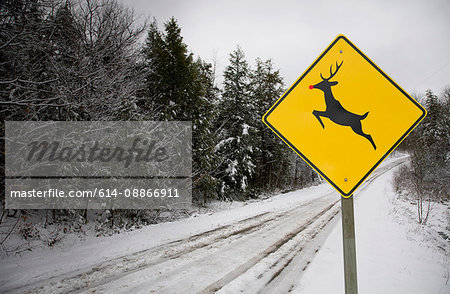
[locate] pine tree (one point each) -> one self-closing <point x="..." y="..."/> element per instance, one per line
<point x="204" y="138"/>
<point x="179" y="88"/>
<point x="273" y="156"/>
<point x="236" y="128"/>
<point x="171" y="73"/>
<point x="430" y="150"/>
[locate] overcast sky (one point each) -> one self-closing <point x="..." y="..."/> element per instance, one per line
<point x="408" y="40"/>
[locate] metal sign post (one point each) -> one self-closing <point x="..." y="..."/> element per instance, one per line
<point x="348" y="236"/>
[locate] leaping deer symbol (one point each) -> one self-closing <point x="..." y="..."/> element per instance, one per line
<point x="335" y="111"/>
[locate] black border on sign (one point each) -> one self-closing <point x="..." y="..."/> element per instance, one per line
<point x="424" y="112"/>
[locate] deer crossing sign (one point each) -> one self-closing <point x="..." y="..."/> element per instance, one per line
<point x="344" y="116"/>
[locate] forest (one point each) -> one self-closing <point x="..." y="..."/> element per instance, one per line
<point x="95" y="60"/>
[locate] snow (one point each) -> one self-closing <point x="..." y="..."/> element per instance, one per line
<point x="231" y="169"/>
<point x="392" y="256"/>
<point x="223" y="142"/>
<point x="245" y="128"/>
<point x="268" y="245"/>
<point x="243" y="183"/>
<point x="81" y="256"/>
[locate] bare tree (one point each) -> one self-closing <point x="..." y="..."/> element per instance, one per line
<point x="68" y="60"/>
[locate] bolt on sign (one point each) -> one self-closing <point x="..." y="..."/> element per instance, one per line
<point x="344" y="116"/>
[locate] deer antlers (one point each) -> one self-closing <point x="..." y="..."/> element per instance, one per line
<point x="331" y="71"/>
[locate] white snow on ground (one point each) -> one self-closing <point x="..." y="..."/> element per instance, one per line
<point x="394" y="254"/>
<point x="38" y="265"/>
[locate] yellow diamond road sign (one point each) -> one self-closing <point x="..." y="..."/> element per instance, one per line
<point x="344" y="116"/>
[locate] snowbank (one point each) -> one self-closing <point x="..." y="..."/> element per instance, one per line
<point x="394" y="254"/>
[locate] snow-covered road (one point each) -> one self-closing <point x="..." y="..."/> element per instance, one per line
<point x="262" y="247"/>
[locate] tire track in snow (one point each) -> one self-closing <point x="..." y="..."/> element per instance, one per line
<point x="273" y="248"/>
<point x="223" y="260"/>
<point x="112" y="269"/>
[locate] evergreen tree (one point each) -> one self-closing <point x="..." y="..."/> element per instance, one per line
<point x="171" y="73"/>
<point x="429" y="146"/>
<point x="204" y="138"/>
<point x="273" y="156"/>
<point x="179" y="88"/>
<point x="236" y="148"/>
<point x="153" y="64"/>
